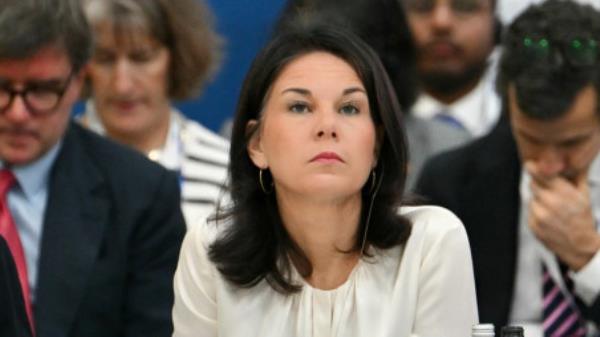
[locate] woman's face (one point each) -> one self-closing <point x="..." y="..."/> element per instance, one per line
<point x="129" y="80"/>
<point x="316" y="135"/>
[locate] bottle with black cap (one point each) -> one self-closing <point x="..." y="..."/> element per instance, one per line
<point x="512" y="331"/>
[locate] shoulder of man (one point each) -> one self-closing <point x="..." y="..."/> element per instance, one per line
<point x="444" y="175"/>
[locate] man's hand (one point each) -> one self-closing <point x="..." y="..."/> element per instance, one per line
<point x="560" y="216"/>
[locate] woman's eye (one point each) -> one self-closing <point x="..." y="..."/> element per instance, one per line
<point x="299" y="108"/>
<point x="349" y="109"/>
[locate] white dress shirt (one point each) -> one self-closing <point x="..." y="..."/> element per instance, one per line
<point x="477" y="111"/>
<point x="27" y="202"/>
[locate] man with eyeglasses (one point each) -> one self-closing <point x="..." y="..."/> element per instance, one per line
<point x="94" y="228"/>
<point x="455" y="41"/>
<point x="529" y="192"/>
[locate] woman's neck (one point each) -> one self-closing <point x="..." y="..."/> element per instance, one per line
<point x="324" y="231"/>
<point x="146" y="141"/>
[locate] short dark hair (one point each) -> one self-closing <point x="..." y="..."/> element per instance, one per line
<point x="255" y="244"/>
<point x="184" y="27"/>
<point x="385" y="29"/>
<point x="26" y="26"/>
<point x="550" y="53"/>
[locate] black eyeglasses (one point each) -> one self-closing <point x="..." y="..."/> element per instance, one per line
<point x="39" y="98"/>
<point x="578" y="52"/>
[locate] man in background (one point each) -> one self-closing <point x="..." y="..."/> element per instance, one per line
<point x="529" y="192"/>
<point x="94" y="229"/>
<point x="455" y="41"/>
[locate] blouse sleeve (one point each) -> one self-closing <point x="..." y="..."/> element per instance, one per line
<point x="446" y="304"/>
<point x="195" y="308"/>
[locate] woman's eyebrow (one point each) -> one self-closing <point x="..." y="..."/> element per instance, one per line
<point x="353" y="90"/>
<point x="301" y="91"/>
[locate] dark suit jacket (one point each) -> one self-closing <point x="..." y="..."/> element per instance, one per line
<point x="13" y="319"/>
<point x="480" y="183"/>
<point x="111" y="237"/>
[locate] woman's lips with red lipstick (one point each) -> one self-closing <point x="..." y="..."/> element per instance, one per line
<point x="327" y="157"/>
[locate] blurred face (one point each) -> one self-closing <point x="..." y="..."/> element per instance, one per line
<point x="129" y="79"/>
<point x="26" y="133"/>
<point x="453" y="39"/>
<point x="562" y="147"/>
<point x="316" y="135"/>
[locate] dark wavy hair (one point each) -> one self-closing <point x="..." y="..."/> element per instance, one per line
<point x="385" y="29"/>
<point x="541" y="59"/>
<point x="254" y="244"/>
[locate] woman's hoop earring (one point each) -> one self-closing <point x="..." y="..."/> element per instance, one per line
<point x="262" y="183"/>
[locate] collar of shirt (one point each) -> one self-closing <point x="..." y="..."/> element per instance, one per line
<point x="478" y="110"/>
<point x="594" y="172"/>
<point x="33" y="177"/>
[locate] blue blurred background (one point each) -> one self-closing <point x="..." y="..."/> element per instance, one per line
<point x="245" y="25"/>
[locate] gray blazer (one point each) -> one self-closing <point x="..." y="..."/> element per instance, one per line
<point x="426" y="138"/>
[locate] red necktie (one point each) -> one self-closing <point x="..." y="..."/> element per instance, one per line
<point x="8" y="230"/>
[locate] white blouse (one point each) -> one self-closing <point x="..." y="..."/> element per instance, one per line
<point x="422" y="288"/>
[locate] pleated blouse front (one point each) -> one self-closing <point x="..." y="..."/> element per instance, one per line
<point x="422" y="288"/>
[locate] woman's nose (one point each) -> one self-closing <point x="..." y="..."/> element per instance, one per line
<point x="326" y="127"/>
<point x="123" y="77"/>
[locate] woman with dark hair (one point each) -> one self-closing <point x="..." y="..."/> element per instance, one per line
<point x="387" y="31"/>
<point x="317" y="242"/>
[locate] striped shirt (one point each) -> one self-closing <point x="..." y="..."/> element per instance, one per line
<point x="199" y="155"/>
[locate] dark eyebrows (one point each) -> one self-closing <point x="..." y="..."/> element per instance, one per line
<point x="306" y="92"/>
<point x="51" y="83"/>
<point x="577" y="139"/>
<point x="528" y="137"/>
<point x="37" y="83"/>
<point x="353" y="90"/>
<point x="303" y="92"/>
<point x="571" y="140"/>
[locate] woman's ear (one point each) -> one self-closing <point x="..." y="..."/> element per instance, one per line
<point x="255" y="150"/>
